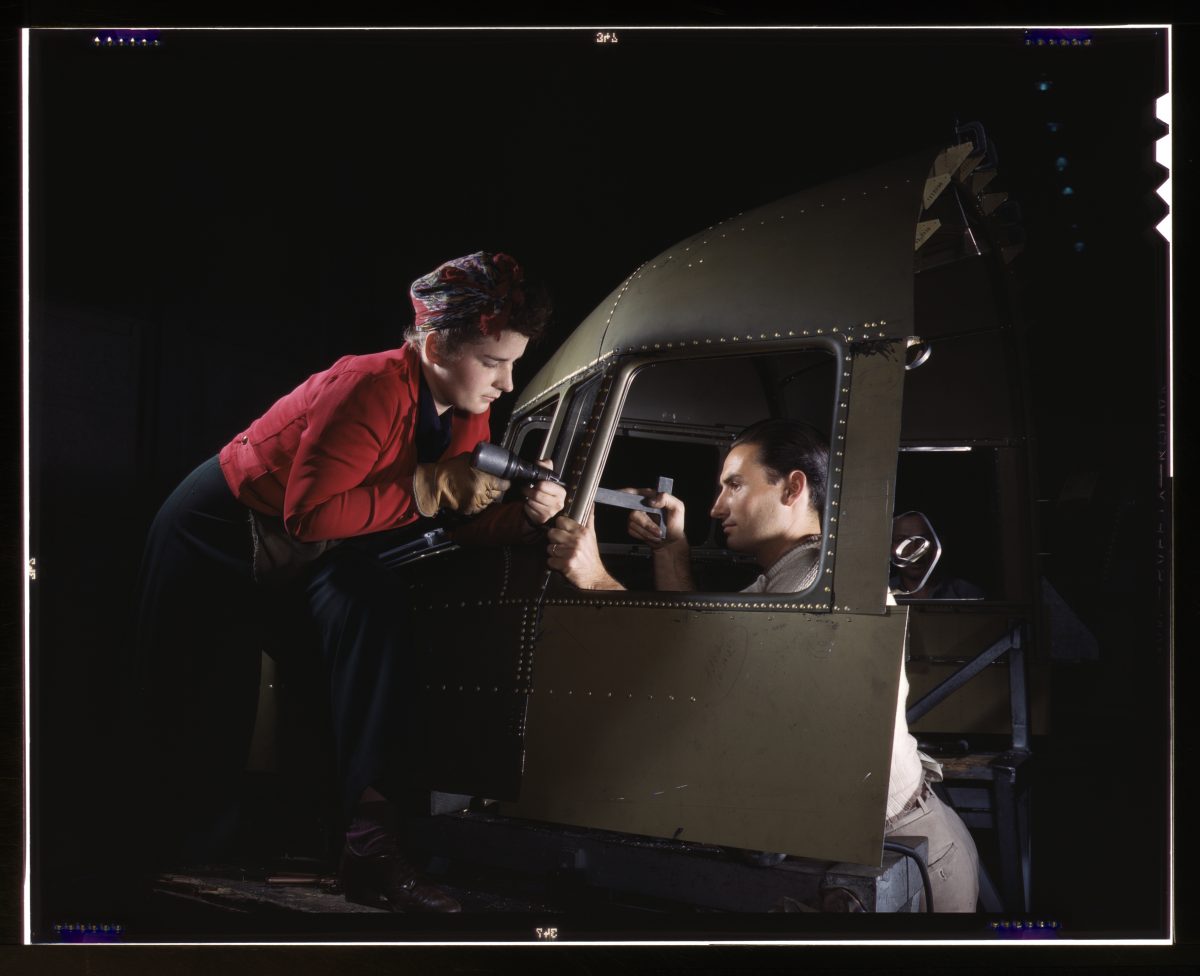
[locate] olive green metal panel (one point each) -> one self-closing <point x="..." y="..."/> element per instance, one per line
<point x="835" y="256"/>
<point x="863" y="464"/>
<point x="763" y="729"/>
<point x="468" y="618"/>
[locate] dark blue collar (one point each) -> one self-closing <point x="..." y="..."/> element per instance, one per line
<point x="433" y="431"/>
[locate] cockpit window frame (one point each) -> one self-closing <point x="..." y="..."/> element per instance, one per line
<point x="819" y="597"/>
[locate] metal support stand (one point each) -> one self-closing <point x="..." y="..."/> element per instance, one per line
<point x="1010" y="796"/>
<point x="1007" y="806"/>
<point x="1009" y="643"/>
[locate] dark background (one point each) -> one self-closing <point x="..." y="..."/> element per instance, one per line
<point x="216" y="218"/>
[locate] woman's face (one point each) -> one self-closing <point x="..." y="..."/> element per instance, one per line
<point x="477" y="374"/>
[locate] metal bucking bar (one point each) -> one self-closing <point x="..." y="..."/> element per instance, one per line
<point x="637" y="503"/>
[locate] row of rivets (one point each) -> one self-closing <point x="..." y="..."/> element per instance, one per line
<point x="843" y="405"/>
<point x="620" y="294"/>
<point x="684" y="604"/>
<point x="522" y="644"/>
<point x="511" y="602"/>
<point x="628" y="695"/>
<point x="647" y="347"/>
<point x="566" y="379"/>
<point x="837" y="472"/>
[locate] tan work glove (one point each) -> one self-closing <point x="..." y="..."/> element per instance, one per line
<point x="455" y="485"/>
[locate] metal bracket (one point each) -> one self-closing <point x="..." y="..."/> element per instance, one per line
<point x="637" y="503"/>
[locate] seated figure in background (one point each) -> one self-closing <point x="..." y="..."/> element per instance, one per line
<point x="906" y="579"/>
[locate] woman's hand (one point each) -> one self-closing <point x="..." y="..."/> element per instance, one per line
<point x="572" y="550"/>
<point x="643" y="528"/>
<point x="455" y="485"/>
<point x="543" y="499"/>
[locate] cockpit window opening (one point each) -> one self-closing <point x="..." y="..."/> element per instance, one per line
<point x="678" y="421"/>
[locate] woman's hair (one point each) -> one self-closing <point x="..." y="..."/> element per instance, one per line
<point x="529" y="319"/>
<point x="791" y="445"/>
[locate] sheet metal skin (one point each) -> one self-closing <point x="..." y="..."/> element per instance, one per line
<point x="760" y="728"/>
<point x="862" y="475"/>
<point x="839" y="255"/>
<point x="471" y="616"/>
<point x="748" y="721"/>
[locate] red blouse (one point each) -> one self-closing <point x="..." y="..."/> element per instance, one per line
<point x="335" y="457"/>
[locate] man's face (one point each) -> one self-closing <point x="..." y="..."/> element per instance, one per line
<point x="481" y="371"/>
<point x="752" y="511"/>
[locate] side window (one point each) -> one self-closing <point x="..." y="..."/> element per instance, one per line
<point x="637" y="459"/>
<point x="529" y="435"/>
<point x="678" y="421"/>
<point x="563" y="420"/>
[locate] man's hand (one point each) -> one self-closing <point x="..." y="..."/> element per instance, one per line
<point x="672" y="556"/>
<point x="643" y="528"/>
<point x="572" y="550"/>
<point x="455" y="485"/>
<point x="543" y="499"/>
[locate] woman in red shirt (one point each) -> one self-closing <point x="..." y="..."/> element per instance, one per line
<point x="370" y="444"/>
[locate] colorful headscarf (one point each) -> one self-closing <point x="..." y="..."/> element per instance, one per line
<point x="481" y="288"/>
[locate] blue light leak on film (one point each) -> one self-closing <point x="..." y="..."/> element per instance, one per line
<point x="1068" y="192"/>
<point x="125" y="38"/>
<point x="1026" y="930"/>
<point x="1058" y="38"/>
<point x="89" y="933"/>
<point x="1061" y="163"/>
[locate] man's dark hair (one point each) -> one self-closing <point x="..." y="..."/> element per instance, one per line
<point x="791" y="445"/>
<point x="529" y="320"/>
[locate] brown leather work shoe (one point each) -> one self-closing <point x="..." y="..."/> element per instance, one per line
<point x="387" y="880"/>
